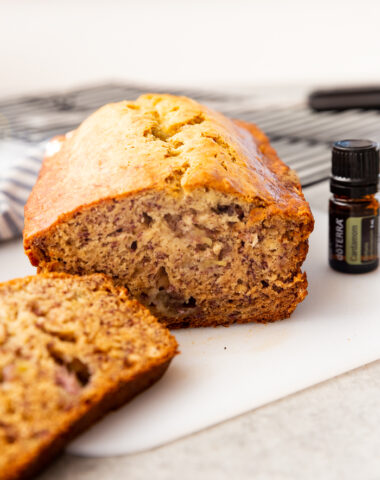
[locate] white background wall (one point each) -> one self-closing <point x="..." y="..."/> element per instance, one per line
<point x="58" y="43"/>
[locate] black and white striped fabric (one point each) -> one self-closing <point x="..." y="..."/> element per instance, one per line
<point x="301" y="137"/>
<point x="16" y="182"/>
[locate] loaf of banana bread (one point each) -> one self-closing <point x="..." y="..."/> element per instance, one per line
<point x="194" y="213"/>
<point x="71" y="349"/>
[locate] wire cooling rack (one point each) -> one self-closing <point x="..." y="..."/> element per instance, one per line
<point x="302" y="137"/>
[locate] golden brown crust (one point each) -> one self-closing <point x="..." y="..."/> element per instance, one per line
<point x="130" y="147"/>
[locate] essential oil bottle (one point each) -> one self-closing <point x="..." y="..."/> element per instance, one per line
<point x="353" y="208"/>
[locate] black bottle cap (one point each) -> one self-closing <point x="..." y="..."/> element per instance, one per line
<point x="355" y="168"/>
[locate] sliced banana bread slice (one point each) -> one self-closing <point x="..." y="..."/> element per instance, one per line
<point x="71" y="349"/>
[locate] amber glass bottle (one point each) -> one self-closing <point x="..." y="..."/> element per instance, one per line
<point x="353" y="209"/>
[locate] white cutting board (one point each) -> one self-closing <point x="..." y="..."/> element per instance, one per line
<point x="223" y="372"/>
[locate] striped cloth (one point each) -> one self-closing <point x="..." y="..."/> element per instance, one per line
<point x="301" y="137"/>
<point x="16" y="182"/>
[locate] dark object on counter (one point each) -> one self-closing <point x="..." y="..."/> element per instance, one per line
<point x="365" y="98"/>
<point x="353" y="208"/>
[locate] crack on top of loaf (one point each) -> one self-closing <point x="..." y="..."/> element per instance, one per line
<point x="132" y="106"/>
<point x="159" y="132"/>
<point x="163" y="130"/>
<point x="173" y="123"/>
<point x="218" y="139"/>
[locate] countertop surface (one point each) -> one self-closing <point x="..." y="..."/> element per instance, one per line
<point x="329" y="432"/>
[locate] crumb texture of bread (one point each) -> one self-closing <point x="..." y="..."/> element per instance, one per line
<point x="194" y="213"/>
<point x="71" y="349"/>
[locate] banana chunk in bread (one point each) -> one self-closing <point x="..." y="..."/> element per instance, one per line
<point x="194" y="213"/>
<point x="71" y="349"/>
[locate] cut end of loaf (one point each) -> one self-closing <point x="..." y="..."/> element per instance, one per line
<point x="196" y="259"/>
